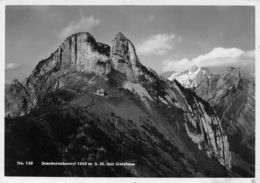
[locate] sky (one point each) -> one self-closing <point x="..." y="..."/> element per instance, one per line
<point x="166" y="37"/>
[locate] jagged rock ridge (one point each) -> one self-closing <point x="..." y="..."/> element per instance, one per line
<point x="232" y="95"/>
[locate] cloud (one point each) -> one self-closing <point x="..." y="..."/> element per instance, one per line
<point x="249" y="54"/>
<point x="216" y="58"/>
<point x="83" y="24"/>
<point x="12" y="66"/>
<point x="156" y="44"/>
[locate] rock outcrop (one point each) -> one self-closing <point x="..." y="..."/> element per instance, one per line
<point x="125" y="60"/>
<point x="234" y="99"/>
<point x="204" y="128"/>
<point x="79" y="52"/>
<point x="230" y="93"/>
<point x="202" y="124"/>
<point x="16" y="100"/>
<point x="123" y="56"/>
<point x="232" y="96"/>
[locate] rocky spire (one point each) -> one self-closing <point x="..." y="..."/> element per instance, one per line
<point x="125" y="60"/>
<point x="119" y="47"/>
<point x="123" y="50"/>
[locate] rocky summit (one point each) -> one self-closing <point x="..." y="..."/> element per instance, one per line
<point x="89" y="102"/>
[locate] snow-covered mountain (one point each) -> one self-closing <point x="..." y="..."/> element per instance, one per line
<point x="191" y="77"/>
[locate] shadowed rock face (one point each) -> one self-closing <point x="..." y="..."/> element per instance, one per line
<point x="123" y="56"/>
<point x="125" y="60"/>
<point x="204" y="128"/>
<point x="123" y="50"/>
<point x="79" y="52"/>
<point x="152" y="121"/>
<point x="232" y="95"/>
<point x="16" y="100"/>
<point x="234" y="101"/>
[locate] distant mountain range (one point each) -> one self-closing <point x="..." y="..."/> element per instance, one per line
<point x="89" y="102"/>
<point x="232" y="96"/>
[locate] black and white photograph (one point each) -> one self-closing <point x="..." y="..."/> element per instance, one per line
<point x="156" y="91"/>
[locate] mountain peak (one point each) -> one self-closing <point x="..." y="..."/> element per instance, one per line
<point x="119" y="47"/>
<point x="86" y="35"/>
<point x="235" y="71"/>
<point x="232" y="69"/>
<point x="15" y="82"/>
<point x="124" y="57"/>
<point x="81" y="33"/>
<point x="205" y="69"/>
<point x="120" y="35"/>
<point x="194" y="68"/>
<point x="79" y="52"/>
<point x="233" y="76"/>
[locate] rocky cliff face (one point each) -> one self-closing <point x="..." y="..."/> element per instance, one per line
<point x="231" y="94"/>
<point x="234" y="99"/>
<point x="79" y="52"/>
<point x="125" y="60"/>
<point x="185" y="129"/>
<point x="201" y="122"/>
<point x="204" y="128"/>
<point x="16" y="100"/>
